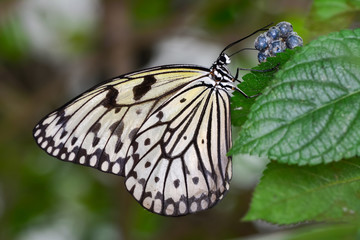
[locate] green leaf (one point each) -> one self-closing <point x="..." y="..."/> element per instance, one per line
<point x="328" y="232"/>
<point x="339" y="12"/>
<point x="253" y="83"/>
<point x="14" y="44"/>
<point x="221" y="15"/>
<point x="319" y="232"/>
<point x="311" y="112"/>
<point x="290" y="194"/>
<point x="148" y="14"/>
<point x="328" y="9"/>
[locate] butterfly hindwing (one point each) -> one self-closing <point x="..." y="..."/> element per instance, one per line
<point x="177" y="160"/>
<point x="97" y="128"/>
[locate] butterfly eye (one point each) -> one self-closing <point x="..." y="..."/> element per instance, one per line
<point x="224" y="59"/>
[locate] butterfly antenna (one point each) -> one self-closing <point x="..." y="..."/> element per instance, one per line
<point x="241" y="51"/>
<point x="232" y="44"/>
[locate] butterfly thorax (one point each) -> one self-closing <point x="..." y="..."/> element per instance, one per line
<point x="220" y="73"/>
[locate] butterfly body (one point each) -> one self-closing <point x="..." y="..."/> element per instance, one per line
<point x="165" y="129"/>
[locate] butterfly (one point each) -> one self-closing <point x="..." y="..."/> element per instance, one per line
<point x="166" y="129"/>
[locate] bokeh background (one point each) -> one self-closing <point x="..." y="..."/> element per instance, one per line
<point x="51" y="51"/>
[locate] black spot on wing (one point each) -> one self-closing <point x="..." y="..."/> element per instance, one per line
<point x="142" y="182"/>
<point x="95" y="129"/>
<point x="132" y="133"/>
<point x="133" y="174"/>
<point x="147" y="194"/>
<point x="110" y="100"/>
<point x="136" y="158"/>
<point x="95" y="141"/>
<point x="62" y="118"/>
<point x="186" y="170"/>
<point x="118" y="146"/>
<point x="176" y="183"/>
<point x="73" y="140"/>
<point x="117" y="128"/>
<point x="160" y="115"/>
<point x="63" y="134"/>
<point x="159" y="195"/>
<point x="144" y="87"/>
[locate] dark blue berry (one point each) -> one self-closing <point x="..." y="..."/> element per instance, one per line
<point x="263" y="55"/>
<point x="273" y="33"/>
<point x="261" y="42"/>
<point x="293" y="41"/>
<point x="277" y="46"/>
<point x="285" y="29"/>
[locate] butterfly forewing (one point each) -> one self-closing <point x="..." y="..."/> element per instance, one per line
<point x="96" y="128"/>
<point x="177" y="160"/>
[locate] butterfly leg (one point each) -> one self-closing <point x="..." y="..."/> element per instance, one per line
<point x="236" y="75"/>
<point x="254" y="70"/>
<point x="244" y="94"/>
<point x="257" y="70"/>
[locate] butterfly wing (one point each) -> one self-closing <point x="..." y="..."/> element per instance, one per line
<point x="177" y="161"/>
<point x="97" y="128"/>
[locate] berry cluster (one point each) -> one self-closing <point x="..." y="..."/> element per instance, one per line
<point x="276" y="40"/>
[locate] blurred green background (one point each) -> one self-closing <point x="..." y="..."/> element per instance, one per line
<point x="50" y="51"/>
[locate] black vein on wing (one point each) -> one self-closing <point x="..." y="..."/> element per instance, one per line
<point x="218" y="138"/>
<point x="227" y="121"/>
<point x="209" y="133"/>
<point x="161" y="140"/>
<point x="74" y="129"/>
<point x="63" y="124"/>
<point x="168" y="102"/>
<point x="186" y="184"/>
<point x="189" y="119"/>
<point x="77" y="126"/>
<point x="163" y="155"/>
<point x="227" y="132"/>
<point x="164" y="185"/>
<point x="110" y="103"/>
<point x="201" y="119"/>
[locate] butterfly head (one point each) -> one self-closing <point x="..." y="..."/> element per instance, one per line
<point x="223" y="59"/>
<point x="219" y="70"/>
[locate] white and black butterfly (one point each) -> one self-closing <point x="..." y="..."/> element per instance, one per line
<point x="165" y="129"/>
